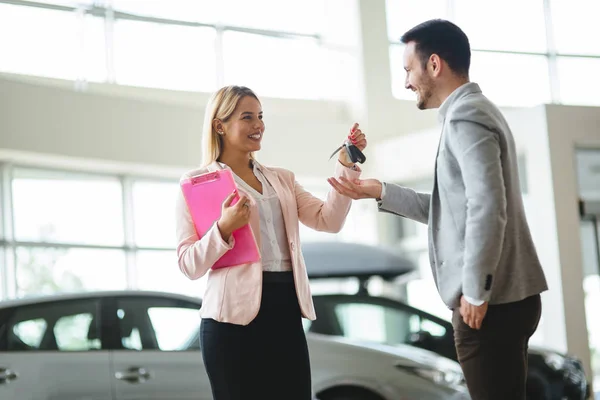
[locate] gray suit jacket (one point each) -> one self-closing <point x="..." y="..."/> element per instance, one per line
<point x="479" y="241"/>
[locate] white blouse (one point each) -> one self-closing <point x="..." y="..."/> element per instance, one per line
<point x="274" y="249"/>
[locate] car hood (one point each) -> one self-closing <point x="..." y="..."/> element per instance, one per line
<point x="406" y="355"/>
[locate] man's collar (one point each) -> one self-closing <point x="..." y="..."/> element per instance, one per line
<point x="461" y="91"/>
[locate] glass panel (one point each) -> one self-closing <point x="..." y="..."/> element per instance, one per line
<point x="37" y="41"/>
<point x="158" y="270"/>
<point x="54" y="270"/>
<point x="399" y="74"/>
<point x="376" y="323"/>
<point x="275" y="67"/>
<point x="588" y="170"/>
<point x="164" y="56"/>
<point x="174" y="326"/>
<point x="205" y="11"/>
<point x="306" y="16"/>
<point x="483" y="21"/>
<point x="67" y="208"/>
<point x="63" y="326"/>
<point x="403" y="15"/>
<point x="71" y="333"/>
<point x="576" y="28"/>
<point x="577" y="87"/>
<point x="94" y="49"/>
<point x="30" y="332"/>
<point x="512" y="80"/>
<point x="152" y="228"/>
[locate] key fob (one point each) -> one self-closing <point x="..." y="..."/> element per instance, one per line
<point x="354" y="153"/>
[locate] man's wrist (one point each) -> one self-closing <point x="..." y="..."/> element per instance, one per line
<point x="473" y="301"/>
<point x="382" y="194"/>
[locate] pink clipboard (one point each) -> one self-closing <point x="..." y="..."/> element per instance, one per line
<point x="204" y="195"/>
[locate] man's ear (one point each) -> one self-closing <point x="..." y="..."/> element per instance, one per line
<point x="435" y="65"/>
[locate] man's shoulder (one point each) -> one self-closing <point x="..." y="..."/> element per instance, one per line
<point x="476" y="108"/>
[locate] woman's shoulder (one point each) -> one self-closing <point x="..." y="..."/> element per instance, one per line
<point x="282" y="172"/>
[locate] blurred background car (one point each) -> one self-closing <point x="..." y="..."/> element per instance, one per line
<point x="551" y="375"/>
<point x="140" y="344"/>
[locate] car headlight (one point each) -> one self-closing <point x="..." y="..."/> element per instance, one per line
<point x="439" y="377"/>
<point x="555" y="361"/>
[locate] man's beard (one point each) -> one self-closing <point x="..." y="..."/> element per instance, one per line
<point x="425" y="94"/>
<point x="424" y="98"/>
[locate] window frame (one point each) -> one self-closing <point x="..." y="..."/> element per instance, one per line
<point x="551" y="54"/>
<point x="9" y="244"/>
<point x="110" y="16"/>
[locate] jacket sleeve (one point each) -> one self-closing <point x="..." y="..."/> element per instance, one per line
<point x="477" y="151"/>
<point x="405" y="202"/>
<point x="196" y="255"/>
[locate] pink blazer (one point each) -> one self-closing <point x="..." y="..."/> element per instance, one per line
<point x="234" y="294"/>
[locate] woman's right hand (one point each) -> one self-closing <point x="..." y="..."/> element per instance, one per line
<point x="233" y="217"/>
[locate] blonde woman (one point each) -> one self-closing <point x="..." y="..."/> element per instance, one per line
<point x="253" y="343"/>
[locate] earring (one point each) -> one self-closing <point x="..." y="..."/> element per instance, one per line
<point x="220" y="133"/>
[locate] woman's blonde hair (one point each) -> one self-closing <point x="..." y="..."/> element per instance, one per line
<point x="220" y="106"/>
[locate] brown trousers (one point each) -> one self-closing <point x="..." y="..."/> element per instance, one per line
<point x="494" y="358"/>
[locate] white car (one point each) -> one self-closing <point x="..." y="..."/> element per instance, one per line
<point x="144" y="345"/>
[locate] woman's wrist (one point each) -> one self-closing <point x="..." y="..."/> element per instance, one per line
<point x="225" y="233"/>
<point x="345" y="160"/>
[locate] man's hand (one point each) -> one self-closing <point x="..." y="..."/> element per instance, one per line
<point x="472" y="315"/>
<point x="358" y="189"/>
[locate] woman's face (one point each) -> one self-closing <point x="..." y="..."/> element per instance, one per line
<point x="244" y="130"/>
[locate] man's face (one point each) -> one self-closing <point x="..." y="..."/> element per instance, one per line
<point x="417" y="77"/>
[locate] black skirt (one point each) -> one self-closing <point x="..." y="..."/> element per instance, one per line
<point x="266" y="359"/>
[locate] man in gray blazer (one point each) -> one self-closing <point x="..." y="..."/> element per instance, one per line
<point x="482" y="256"/>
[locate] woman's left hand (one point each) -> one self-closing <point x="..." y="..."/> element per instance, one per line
<point x="357" y="138"/>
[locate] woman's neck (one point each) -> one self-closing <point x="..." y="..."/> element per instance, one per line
<point x="238" y="163"/>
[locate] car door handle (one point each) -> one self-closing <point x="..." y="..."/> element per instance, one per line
<point x="134" y="375"/>
<point x="7" y="375"/>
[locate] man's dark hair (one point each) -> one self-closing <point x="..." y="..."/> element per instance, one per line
<point x="441" y="37"/>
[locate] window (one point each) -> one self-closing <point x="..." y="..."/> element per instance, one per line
<point x="70" y="233"/>
<point x="163" y="319"/>
<point x="512" y="79"/>
<point x="30" y="332"/>
<point x="184" y="45"/>
<point x="158" y="270"/>
<point x="47" y="270"/>
<point x="272" y="66"/>
<point x="289" y="16"/>
<point x="158" y="324"/>
<point x="59" y="326"/>
<point x="512" y="67"/>
<point x="71" y="333"/>
<point x="483" y="21"/>
<point x="94" y="49"/>
<point x="403" y="15"/>
<point x="67" y="208"/>
<point x="38" y="41"/>
<point x="152" y="228"/>
<point x="577" y="86"/>
<point x="383" y="324"/>
<point x="165" y="56"/>
<point x="575" y="26"/>
<point x="183" y="10"/>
